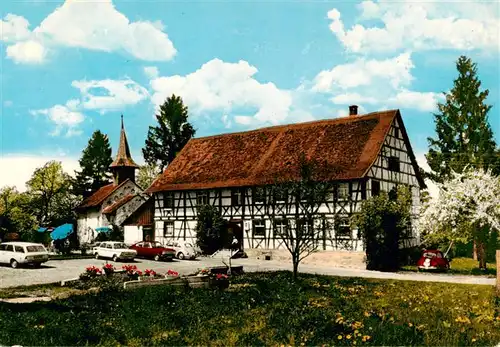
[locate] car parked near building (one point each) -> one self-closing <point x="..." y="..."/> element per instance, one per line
<point x="114" y="250"/>
<point x="433" y="260"/>
<point x="154" y="250"/>
<point x="184" y="249"/>
<point x="16" y="253"/>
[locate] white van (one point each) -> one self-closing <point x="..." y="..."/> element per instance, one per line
<point x="15" y="253"/>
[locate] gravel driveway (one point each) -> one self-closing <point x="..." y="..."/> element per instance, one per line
<point x="58" y="270"/>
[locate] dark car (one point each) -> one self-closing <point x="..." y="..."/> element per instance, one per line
<point x="154" y="250"/>
<point x="433" y="260"/>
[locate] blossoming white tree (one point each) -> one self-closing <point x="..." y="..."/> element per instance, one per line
<point x="468" y="208"/>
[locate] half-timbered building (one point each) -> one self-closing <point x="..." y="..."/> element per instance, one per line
<point x="364" y="155"/>
<point x="112" y="204"/>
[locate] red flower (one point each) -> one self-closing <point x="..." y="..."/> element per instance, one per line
<point x="172" y="273"/>
<point x="221" y="276"/>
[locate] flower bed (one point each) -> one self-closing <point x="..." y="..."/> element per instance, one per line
<point x="129" y="276"/>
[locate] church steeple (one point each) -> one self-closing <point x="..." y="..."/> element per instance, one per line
<point x="123" y="167"/>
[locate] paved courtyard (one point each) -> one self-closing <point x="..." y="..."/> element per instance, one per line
<point x="58" y="270"/>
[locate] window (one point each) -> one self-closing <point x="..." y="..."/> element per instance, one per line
<point x="280" y="195"/>
<point x="168" y="200"/>
<point x="35" y="249"/>
<point x="396" y="133"/>
<point x="342" y="191"/>
<point x="237" y="197"/>
<point x="259" y="227"/>
<point x="375" y="188"/>
<point x="168" y="229"/>
<point x="202" y="198"/>
<point x="307" y="226"/>
<point x="19" y="249"/>
<point x="259" y="195"/>
<point x="109" y="245"/>
<point x="394" y="164"/>
<point x="342" y="228"/>
<point x="280" y="227"/>
<point x="3" y="247"/>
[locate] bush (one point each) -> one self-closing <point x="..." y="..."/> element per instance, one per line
<point x="211" y="229"/>
<point x="381" y="222"/>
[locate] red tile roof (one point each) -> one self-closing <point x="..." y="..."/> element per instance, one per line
<point x="98" y="197"/>
<point x="117" y="204"/>
<point x="347" y="146"/>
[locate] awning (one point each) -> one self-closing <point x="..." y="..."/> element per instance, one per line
<point x="61" y="232"/>
<point x="103" y="229"/>
<point x="42" y="229"/>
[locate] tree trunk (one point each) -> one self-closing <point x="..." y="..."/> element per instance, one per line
<point x="474" y="250"/>
<point x="481" y="255"/>
<point x="295" y="261"/>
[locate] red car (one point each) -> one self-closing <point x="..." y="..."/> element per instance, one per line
<point x="154" y="250"/>
<point x="433" y="260"/>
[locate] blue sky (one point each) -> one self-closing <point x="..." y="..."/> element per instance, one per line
<point x="69" y="68"/>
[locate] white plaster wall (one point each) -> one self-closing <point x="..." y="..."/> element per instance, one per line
<point x="132" y="234"/>
<point x="86" y="224"/>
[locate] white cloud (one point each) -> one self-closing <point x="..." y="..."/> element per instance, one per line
<point x="27" y="52"/>
<point x="364" y="72"/>
<point x="422" y="101"/>
<point x="353" y="98"/>
<point x="22" y="166"/>
<point x="94" y="25"/>
<point x="64" y="117"/>
<point x="151" y="72"/>
<point x="118" y="94"/>
<point x="14" y="28"/>
<point x="375" y="82"/>
<point x="419" y="25"/>
<point x="228" y="88"/>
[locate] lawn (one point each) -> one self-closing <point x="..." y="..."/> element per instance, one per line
<point x="464" y="266"/>
<point x="264" y="309"/>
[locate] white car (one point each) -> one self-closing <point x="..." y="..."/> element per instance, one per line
<point x="183" y="249"/>
<point x="15" y="253"/>
<point x="114" y="250"/>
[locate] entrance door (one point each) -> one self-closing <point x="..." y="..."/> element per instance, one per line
<point x="148" y="233"/>
<point x="235" y="230"/>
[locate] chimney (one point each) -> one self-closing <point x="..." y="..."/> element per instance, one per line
<point x="353" y="110"/>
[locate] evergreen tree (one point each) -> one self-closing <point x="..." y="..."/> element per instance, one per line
<point x="171" y="134"/>
<point x="464" y="136"/>
<point x="94" y="164"/>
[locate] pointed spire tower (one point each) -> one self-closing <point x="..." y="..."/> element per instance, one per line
<point x="123" y="167"/>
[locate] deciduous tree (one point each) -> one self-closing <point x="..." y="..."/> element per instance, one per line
<point x="147" y="174"/>
<point x="467" y="209"/>
<point x="303" y="232"/>
<point x="171" y="134"/>
<point x="50" y="193"/>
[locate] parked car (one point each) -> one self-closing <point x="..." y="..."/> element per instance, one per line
<point x="114" y="250"/>
<point x="184" y="249"/>
<point x="15" y="253"/>
<point x="154" y="250"/>
<point x="433" y="260"/>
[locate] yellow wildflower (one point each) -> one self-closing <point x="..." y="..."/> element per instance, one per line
<point x="474" y="340"/>
<point x="339" y="337"/>
<point x="348" y="337"/>
<point x="368" y="315"/>
<point x="410" y="324"/>
<point x="366" y="338"/>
